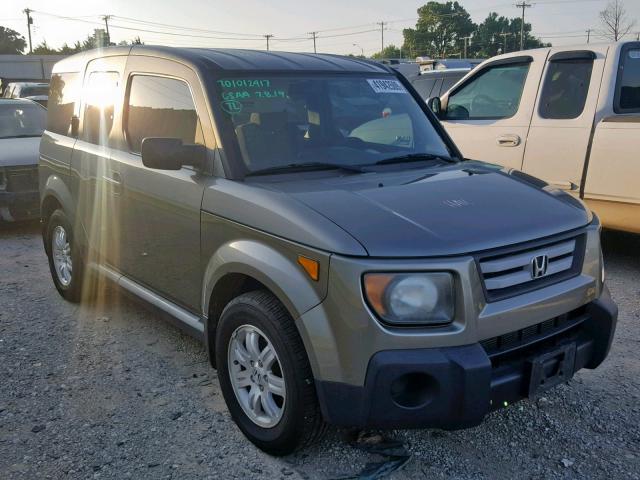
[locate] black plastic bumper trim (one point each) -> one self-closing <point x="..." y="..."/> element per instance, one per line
<point x="464" y="385"/>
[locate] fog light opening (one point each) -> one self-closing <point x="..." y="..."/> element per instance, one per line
<point x="413" y="390"/>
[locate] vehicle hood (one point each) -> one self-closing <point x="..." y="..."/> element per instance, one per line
<point x="462" y="208"/>
<point x="19" y="151"/>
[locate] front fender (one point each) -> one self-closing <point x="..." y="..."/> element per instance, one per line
<point x="274" y="266"/>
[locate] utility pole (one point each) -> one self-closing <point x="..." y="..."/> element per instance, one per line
<point x="314" y="35"/>
<point x="504" y="36"/>
<point x="522" y="5"/>
<point x="106" y="19"/>
<point x="465" y="45"/>
<point x="268" y="36"/>
<point x="589" y="30"/>
<point x="382" y="24"/>
<point x="29" y="23"/>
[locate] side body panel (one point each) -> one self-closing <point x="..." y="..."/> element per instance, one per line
<point x="499" y="141"/>
<point x="160" y="209"/>
<point x="612" y="183"/>
<point x="556" y="149"/>
<point x="95" y="192"/>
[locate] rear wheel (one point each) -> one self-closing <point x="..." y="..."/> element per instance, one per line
<point x="65" y="261"/>
<point x="265" y="374"/>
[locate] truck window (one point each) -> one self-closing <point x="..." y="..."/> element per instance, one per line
<point x="627" y="98"/>
<point x="494" y="93"/>
<point x="161" y="107"/>
<point x="565" y="89"/>
<point x="63" y="96"/>
<point x="99" y="98"/>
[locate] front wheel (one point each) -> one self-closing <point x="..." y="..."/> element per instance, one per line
<point x="265" y="374"/>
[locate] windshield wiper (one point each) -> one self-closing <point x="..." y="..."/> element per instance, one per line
<point x="308" y="166"/>
<point x="413" y="157"/>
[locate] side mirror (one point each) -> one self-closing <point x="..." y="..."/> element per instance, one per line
<point x="171" y="153"/>
<point x="435" y="105"/>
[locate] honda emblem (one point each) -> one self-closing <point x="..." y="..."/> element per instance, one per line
<point x="539" y="266"/>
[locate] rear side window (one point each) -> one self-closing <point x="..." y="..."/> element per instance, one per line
<point x="492" y="94"/>
<point x="161" y="107"/>
<point x="627" y="98"/>
<point x="100" y="93"/>
<point x="565" y="89"/>
<point x="63" y="95"/>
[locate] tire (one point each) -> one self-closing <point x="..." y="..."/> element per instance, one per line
<point x="300" y="423"/>
<point x="69" y="287"/>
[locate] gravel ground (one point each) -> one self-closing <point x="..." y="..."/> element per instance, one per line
<point x="112" y="391"/>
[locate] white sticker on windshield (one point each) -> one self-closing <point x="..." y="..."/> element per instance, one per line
<point x="380" y="85"/>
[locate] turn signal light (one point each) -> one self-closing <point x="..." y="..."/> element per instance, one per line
<point x="312" y="267"/>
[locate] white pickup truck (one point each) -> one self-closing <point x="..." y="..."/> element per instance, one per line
<point x="568" y="115"/>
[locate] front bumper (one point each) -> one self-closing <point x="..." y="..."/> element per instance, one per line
<point x="19" y="205"/>
<point x="455" y="387"/>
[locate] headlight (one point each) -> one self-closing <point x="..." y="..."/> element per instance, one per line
<point x="411" y="298"/>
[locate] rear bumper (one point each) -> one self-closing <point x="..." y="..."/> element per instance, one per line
<point x="455" y="387"/>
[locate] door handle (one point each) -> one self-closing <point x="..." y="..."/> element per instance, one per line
<point x="564" y="185"/>
<point x="508" y="140"/>
<point x="114" y="182"/>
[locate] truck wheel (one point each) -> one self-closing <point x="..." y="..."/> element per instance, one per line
<point x="65" y="261"/>
<point x="265" y="374"/>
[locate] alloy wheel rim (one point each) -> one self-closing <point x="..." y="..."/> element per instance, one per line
<point x="61" y="252"/>
<point x="256" y="376"/>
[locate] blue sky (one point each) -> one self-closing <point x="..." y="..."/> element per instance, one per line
<point x="558" y="21"/>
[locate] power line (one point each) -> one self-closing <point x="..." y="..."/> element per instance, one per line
<point x="382" y="34"/>
<point x="314" y="34"/>
<point x="268" y="36"/>
<point x="28" y="11"/>
<point x="524" y="5"/>
<point x="106" y="24"/>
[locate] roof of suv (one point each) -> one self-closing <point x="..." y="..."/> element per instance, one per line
<point x="238" y="59"/>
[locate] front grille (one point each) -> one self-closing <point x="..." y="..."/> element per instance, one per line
<point x="22" y="179"/>
<point x="509" y="273"/>
<point x="516" y="341"/>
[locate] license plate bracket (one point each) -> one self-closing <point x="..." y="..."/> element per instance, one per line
<point x="551" y="368"/>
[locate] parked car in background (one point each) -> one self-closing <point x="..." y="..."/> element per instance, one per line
<point x="427" y="64"/>
<point x="308" y="219"/>
<point x="434" y="83"/>
<point x="405" y="67"/>
<point x="38" y="92"/>
<point x="568" y="115"/>
<point x="21" y="125"/>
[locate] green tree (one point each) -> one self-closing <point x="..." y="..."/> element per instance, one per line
<point x="11" y="42"/>
<point x="44" y="49"/>
<point x="134" y="41"/>
<point x="390" y="51"/>
<point x="439" y="31"/>
<point x="498" y="34"/>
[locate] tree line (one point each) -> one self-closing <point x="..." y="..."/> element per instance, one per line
<point x="11" y="42"/>
<point x="445" y="29"/>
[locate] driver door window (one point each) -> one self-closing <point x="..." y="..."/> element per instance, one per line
<point x="492" y="95"/>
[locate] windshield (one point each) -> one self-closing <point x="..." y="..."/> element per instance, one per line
<point x="35" y="90"/>
<point x="21" y="120"/>
<point x="350" y="120"/>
